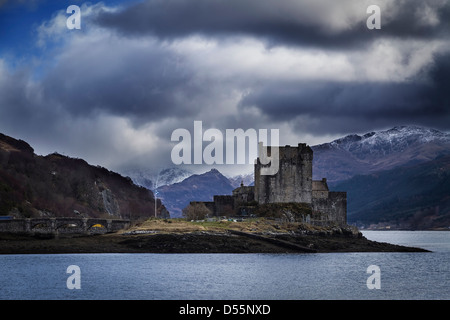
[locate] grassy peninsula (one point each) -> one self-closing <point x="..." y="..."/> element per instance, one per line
<point x="259" y="235"/>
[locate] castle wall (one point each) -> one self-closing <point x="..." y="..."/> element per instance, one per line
<point x="210" y="205"/>
<point x="224" y="205"/>
<point x="320" y="188"/>
<point x="243" y="195"/>
<point x="292" y="182"/>
<point x="331" y="209"/>
<point x="319" y="194"/>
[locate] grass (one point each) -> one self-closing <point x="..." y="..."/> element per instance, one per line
<point x="260" y="224"/>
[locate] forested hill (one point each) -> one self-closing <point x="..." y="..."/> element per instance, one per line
<point x="57" y="185"/>
<point x="409" y="197"/>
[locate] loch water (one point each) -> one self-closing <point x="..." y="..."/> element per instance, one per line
<point x="321" y="276"/>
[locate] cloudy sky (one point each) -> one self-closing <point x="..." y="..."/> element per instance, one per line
<point x="115" y="90"/>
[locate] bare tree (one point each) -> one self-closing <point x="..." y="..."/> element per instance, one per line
<point x="196" y="211"/>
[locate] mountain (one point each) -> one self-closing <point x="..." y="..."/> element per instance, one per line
<point x="338" y="161"/>
<point x="150" y="180"/>
<point x="396" y="177"/>
<point x="197" y="187"/>
<point x="176" y="193"/>
<point x="411" y="196"/>
<point x="170" y="176"/>
<point x="143" y="178"/>
<point x="60" y="186"/>
<point x="355" y="154"/>
<point x="246" y="179"/>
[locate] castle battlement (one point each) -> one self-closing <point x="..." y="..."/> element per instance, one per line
<point x="290" y="152"/>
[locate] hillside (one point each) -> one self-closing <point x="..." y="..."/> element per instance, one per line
<point x="56" y="185"/>
<point x="411" y="197"/>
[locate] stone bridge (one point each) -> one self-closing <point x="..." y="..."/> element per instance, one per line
<point x="63" y="225"/>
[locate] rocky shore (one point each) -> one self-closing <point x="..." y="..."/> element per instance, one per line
<point x="156" y="237"/>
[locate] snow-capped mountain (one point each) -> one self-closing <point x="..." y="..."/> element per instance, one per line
<point x="382" y="150"/>
<point x="382" y="143"/>
<point x="246" y="179"/>
<point x="397" y="177"/>
<point x="151" y="180"/>
<point x="170" y="176"/>
<point x="143" y="178"/>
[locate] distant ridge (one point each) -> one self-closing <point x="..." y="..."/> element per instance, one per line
<point x="397" y="178"/>
<point x="407" y="197"/>
<point x="355" y="154"/>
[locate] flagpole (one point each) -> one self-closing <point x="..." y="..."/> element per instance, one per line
<point x="156" y="201"/>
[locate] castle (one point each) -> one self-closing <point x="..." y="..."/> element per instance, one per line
<point x="292" y="183"/>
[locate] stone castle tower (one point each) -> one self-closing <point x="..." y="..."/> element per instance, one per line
<point x="292" y="182"/>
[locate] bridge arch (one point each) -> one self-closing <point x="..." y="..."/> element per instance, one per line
<point x="63" y="225"/>
<point x="41" y="225"/>
<point x="97" y="227"/>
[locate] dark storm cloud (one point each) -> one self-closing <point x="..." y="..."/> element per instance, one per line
<point x="285" y="22"/>
<point x="23" y="112"/>
<point x="148" y="80"/>
<point x="175" y="19"/>
<point x="354" y="104"/>
<point x="115" y="90"/>
<point x="141" y="82"/>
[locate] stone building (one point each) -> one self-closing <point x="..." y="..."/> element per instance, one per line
<point x="291" y="184"/>
<point x="328" y="206"/>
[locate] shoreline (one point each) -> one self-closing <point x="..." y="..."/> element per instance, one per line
<point x="194" y="242"/>
<point x="156" y="235"/>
